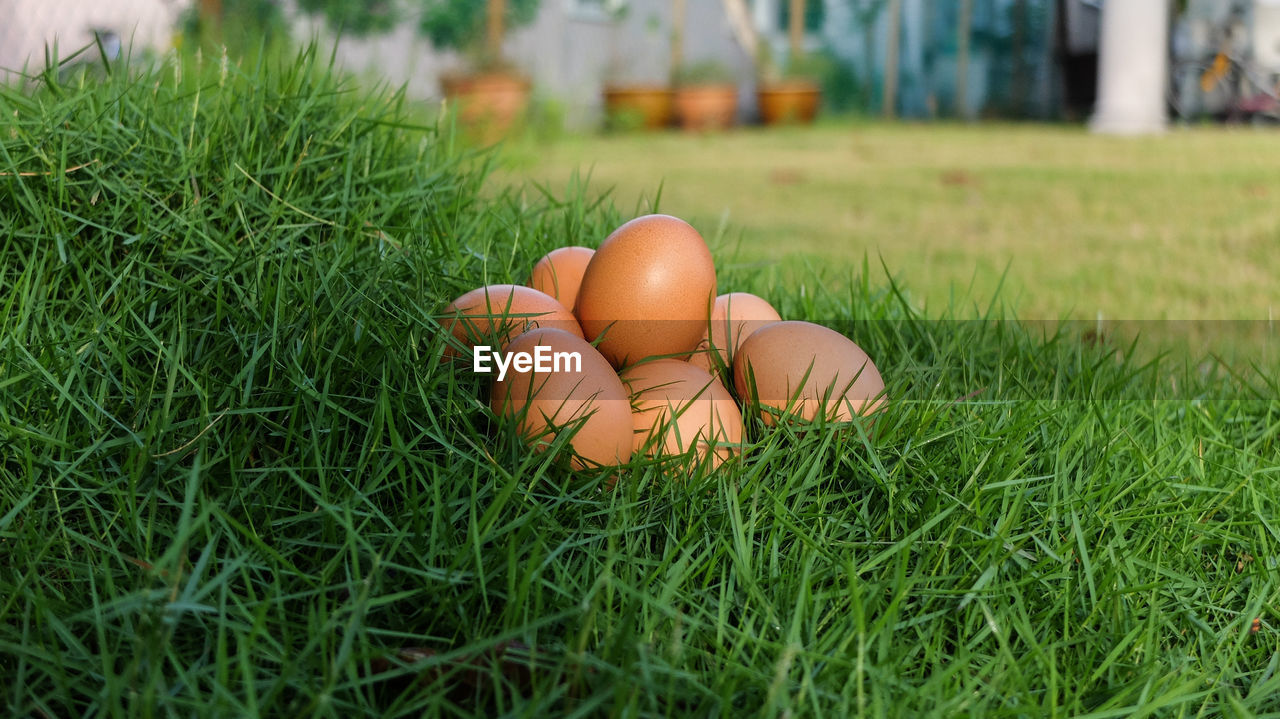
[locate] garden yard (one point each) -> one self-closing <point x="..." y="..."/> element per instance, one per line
<point x="239" y="478"/>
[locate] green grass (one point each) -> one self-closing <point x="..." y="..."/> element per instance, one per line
<point x="236" y="477"/>
<point x="1054" y="220"/>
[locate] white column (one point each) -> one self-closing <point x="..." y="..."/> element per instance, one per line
<point x="1133" y="53"/>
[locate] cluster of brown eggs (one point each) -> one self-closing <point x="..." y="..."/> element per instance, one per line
<point x="630" y="345"/>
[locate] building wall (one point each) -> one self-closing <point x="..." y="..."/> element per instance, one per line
<point x="1081" y="32"/>
<point x="29" y="26"/>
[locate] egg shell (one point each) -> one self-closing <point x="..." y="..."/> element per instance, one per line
<point x="777" y="359"/>
<point x="676" y="407"/>
<point x="546" y="402"/>
<point x="648" y="291"/>
<point x="494" y="314"/>
<point x="733" y="318"/>
<point x="559" y="273"/>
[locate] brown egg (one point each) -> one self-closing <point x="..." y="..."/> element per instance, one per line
<point x="494" y="314"/>
<point x="733" y="318"/>
<point x="557" y="395"/>
<point x="805" y="369"/>
<point x="647" y="291"/>
<point x="559" y="273"/>
<point x="677" y="406"/>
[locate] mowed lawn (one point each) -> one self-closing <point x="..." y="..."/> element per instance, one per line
<point x="1181" y="226"/>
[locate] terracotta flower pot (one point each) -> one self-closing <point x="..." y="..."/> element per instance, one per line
<point x="792" y="101"/>
<point x="637" y="106"/>
<point x="488" y="103"/>
<point x="706" y="107"/>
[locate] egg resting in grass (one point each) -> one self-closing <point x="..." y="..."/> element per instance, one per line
<point x="493" y="314"/>
<point x="733" y="318"/>
<point x="593" y="400"/>
<point x="807" y="370"/>
<point x="559" y="273"/>
<point x="677" y="407"/>
<point x="648" y="290"/>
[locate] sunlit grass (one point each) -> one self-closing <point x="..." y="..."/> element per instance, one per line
<point x="238" y="479"/>
<point x="1057" y="222"/>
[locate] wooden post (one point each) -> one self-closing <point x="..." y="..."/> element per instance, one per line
<point x="891" y="60"/>
<point x="963" y="30"/>
<point x="796" y="31"/>
<point x="496" y="9"/>
<point x="867" y="18"/>
<point x="677" y="37"/>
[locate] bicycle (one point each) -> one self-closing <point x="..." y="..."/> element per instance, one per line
<point x="1225" y="87"/>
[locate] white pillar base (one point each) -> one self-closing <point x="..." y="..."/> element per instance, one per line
<point x="1133" y="72"/>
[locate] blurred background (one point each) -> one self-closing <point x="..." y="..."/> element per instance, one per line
<point x="963" y="147"/>
<point x="969" y="59"/>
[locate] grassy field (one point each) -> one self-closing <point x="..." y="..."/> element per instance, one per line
<point x="1064" y="223"/>
<point x="237" y="477"/>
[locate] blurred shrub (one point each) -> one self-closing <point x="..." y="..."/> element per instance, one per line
<point x="460" y="24"/>
<point x="704" y="72"/>
<point x="246" y="25"/>
<point x="546" y="118"/>
<point x="842" y="91"/>
<point x="358" y="17"/>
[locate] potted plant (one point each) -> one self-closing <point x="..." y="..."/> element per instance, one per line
<point x="631" y="103"/>
<point x="490" y="94"/>
<point x="637" y="105"/>
<point x="706" y="97"/>
<point x="792" y="94"/>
